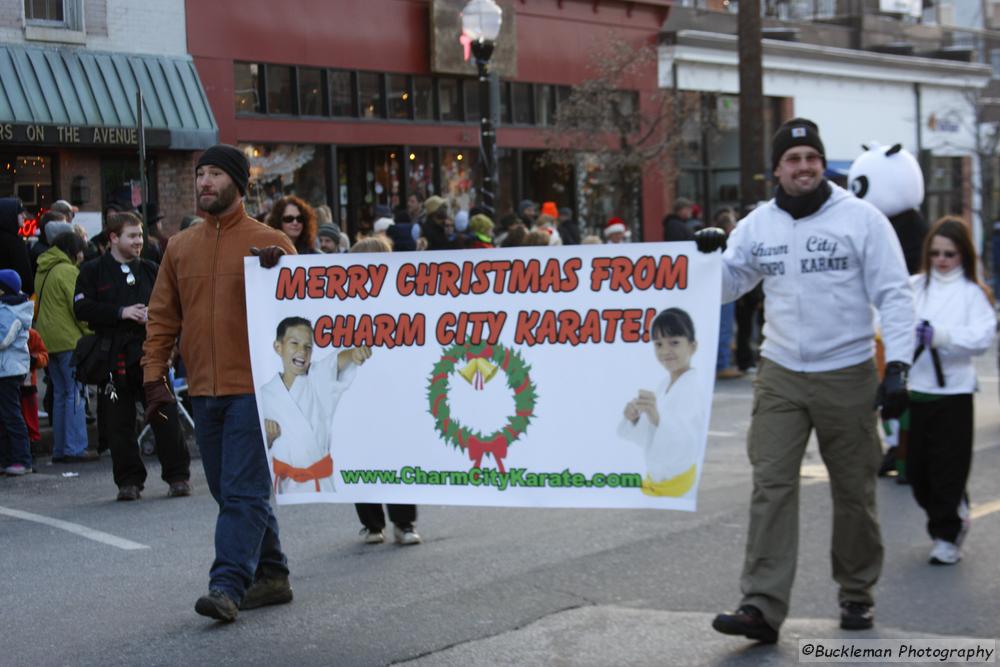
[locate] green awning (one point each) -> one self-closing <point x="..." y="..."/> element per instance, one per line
<point x="45" y="92"/>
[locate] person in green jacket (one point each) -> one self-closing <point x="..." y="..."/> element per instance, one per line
<point x="55" y="283"/>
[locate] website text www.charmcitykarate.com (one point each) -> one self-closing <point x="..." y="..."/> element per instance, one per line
<point x="487" y="477"/>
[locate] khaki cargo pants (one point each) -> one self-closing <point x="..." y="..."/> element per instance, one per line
<point x="786" y="407"/>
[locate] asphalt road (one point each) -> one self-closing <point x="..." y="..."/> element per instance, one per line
<point x="488" y="586"/>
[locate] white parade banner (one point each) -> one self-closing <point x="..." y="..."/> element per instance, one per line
<point x="573" y="376"/>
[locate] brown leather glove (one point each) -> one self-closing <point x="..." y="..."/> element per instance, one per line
<point x="158" y="397"/>
<point x="268" y="256"/>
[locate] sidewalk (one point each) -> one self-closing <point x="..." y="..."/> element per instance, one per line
<point x="602" y="635"/>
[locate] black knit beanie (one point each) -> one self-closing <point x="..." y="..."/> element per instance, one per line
<point x="795" y="132"/>
<point x="230" y="160"/>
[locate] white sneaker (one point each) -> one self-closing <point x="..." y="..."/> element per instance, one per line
<point x="945" y="553"/>
<point x="372" y="536"/>
<point x="406" y="537"/>
<point x="966" y="517"/>
<point x="16" y="470"/>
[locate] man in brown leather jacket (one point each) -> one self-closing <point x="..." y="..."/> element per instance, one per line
<point x="200" y="290"/>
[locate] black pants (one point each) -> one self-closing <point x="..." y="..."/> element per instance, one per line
<point x="938" y="459"/>
<point x="175" y="461"/>
<point x="747" y="308"/>
<point x="373" y="519"/>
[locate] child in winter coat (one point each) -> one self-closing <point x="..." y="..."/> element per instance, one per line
<point x="29" y="389"/>
<point x="15" y="320"/>
<point x="957" y="322"/>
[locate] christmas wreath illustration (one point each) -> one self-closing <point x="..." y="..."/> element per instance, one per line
<point x="482" y="362"/>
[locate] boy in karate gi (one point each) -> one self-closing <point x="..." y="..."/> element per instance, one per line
<point x="299" y="404"/>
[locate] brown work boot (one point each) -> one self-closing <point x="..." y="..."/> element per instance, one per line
<point x="267" y="591"/>
<point x="217" y="605"/>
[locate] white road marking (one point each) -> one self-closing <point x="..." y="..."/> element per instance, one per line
<point x="727" y="394"/>
<point x="979" y="511"/>
<point x="722" y="434"/>
<point x="816" y="471"/>
<point x="76" y="529"/>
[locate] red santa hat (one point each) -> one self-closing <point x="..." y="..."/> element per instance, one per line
<point x="615" y="226"/>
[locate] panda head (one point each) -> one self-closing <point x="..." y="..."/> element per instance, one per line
<point x="887" y="177"/>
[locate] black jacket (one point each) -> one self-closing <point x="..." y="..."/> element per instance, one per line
<point x="102" y="291"/>
<point x="676" y="229"/>
<point x="13" y="251"/>
<point x="911" y="229"/>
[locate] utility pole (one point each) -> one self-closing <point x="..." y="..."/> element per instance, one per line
<point x="752" y="164"/>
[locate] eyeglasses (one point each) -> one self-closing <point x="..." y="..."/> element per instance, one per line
<point x="293" y="218"/>
<point x="947" y="254"/>
<point x="129" y="276"/>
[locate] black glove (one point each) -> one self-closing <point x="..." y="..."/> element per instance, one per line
<point x="710" y="239"/>
<point x="158" y="397"/>
<point x="892" y="395"/>
<point x="268" y="256"/>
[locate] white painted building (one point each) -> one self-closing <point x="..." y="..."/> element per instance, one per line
<point x="854" y="96"/>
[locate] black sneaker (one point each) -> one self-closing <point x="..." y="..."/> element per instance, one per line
<point x="267" y="591"/>
<point x="857" y="615"/>
<point x="747" y="621"/>
<point x="217" y="605"/>
<point x="129" y="492"/>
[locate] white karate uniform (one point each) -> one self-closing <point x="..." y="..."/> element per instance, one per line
<point x="675" y="444"/>
<point x="305" y="413"/>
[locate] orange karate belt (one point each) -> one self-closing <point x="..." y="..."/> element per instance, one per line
<point x="315" y="472"/>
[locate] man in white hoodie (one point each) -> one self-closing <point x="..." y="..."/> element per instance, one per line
<point x="825" y="258"/>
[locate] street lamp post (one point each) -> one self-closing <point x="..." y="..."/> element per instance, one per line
<point x="481" y="21"/>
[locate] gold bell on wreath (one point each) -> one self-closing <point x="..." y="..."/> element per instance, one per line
<point x="478" y="372"/>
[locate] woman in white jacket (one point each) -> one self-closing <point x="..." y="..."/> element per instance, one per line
<point x="956" y="322"/>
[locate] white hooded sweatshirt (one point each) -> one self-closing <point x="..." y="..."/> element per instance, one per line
<point x="822" y="274"/>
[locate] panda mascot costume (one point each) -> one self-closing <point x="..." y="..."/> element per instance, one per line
<point x="890" y="178"/>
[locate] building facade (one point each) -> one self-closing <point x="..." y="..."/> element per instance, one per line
<point x="70" y="71"/>
<point x="359" y="105"/>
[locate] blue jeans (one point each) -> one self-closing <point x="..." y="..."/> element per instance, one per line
<point x="69" y="418"/>
<point x="726" y="326"/>
<point x="14" y="446"/>
<point x="246" y="533"/>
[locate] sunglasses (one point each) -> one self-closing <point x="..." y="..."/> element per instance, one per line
<point x="129" y="276"/>
<point x="293" y="218"/>
<point x="947" y="254"/>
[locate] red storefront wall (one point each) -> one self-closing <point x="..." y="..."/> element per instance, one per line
<point x="555" y="39"/>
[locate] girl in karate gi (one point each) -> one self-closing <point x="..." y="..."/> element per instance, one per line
<point x="669" y="424"/>
<point x="299" y="404"/>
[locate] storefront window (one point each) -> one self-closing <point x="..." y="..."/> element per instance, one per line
<point x="310" y="91"/>
<point x="28" y="177"/>
<point x="944" y="188"/>
<point x="544" y="105"/>
<point x="246" y="87"/>
<point x="341" y="93"/>
<point x="458" y="185"/>
<point x="423" y="98"/>
<point x="421" y="172"/>
<point x="387" y="177"/>
<point x="449" y="100"/>
<point x="279" y="89"/>
<point x="471" y="87"/>
<point x="521" y="92"/>
<point x="504" y="102"/>
<point x="370" y="91"/>
<point x="399" y="95"/>
<point x="284" y="169"/>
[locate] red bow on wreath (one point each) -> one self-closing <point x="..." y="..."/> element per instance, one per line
<point x="476" y="448"/>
